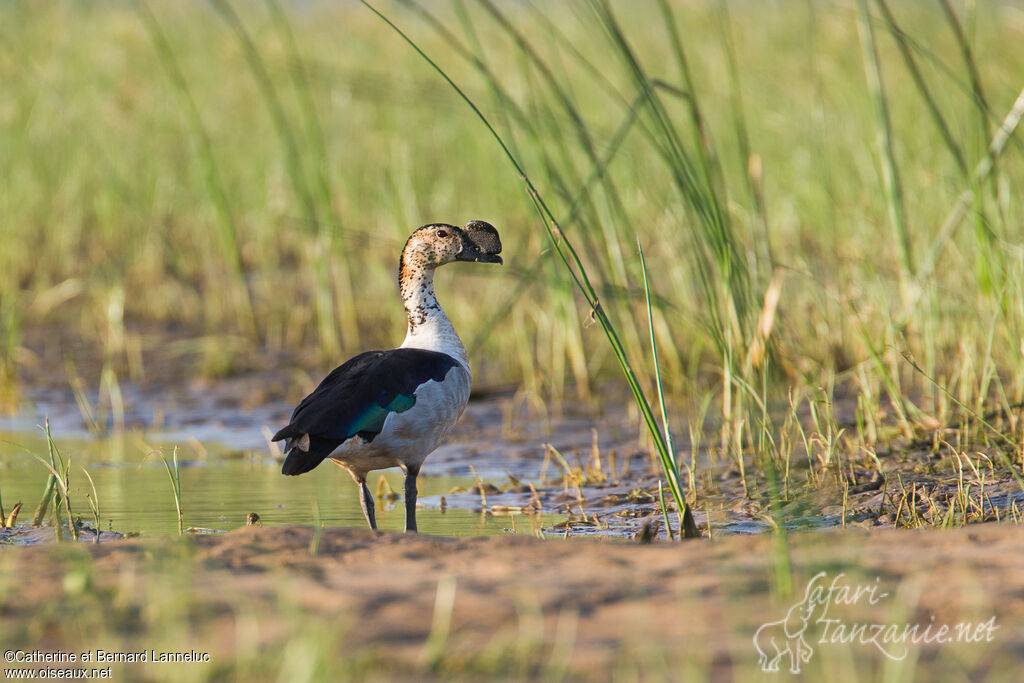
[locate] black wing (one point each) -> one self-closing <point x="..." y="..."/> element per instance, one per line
<point x="355" y="399"/>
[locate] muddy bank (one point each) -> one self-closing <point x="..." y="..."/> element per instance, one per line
<point x="260" y="604"/>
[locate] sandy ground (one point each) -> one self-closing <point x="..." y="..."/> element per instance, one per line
<point x="412" y="607"/>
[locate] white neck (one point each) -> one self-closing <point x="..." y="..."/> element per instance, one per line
<point x="429" y="327"/>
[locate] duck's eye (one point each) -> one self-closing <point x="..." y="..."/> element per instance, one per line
<point x="442" y="233"/>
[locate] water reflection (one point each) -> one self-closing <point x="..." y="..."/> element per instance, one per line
<point x="221" y="487"/>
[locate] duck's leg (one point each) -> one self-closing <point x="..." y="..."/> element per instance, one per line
<point x="411" y="472"/>
<point x="367" y="502"/>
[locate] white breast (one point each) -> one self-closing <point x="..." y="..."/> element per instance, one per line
<point x="409" y="437"/>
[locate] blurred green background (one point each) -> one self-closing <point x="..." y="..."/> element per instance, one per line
<point x="240" y="176"/>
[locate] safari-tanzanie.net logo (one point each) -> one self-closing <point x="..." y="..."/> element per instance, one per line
<point x="817" y="620"/>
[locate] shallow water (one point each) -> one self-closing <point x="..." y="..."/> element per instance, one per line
<point x="218" y="493"/>
<point x="227" y="470"/>
<point x="602" y="482"/>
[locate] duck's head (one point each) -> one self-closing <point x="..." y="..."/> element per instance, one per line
<point x="436" y="244"/>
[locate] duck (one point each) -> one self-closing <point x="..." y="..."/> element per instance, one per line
<point x="393" y="408"/>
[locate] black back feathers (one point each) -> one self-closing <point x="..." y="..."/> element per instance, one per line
<point x="355" y="400"/>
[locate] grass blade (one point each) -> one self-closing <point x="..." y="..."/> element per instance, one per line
<point x="175" y="478"/>
<point x="227" y="228"/>
<point x="890" y="171"/>
<point x="326" y="323"/>
<point x="94" y="503"/>
<point x="573" y="264"/>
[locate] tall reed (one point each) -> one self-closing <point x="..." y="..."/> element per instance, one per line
<point x="226" y="224"/>
<point x="327" y="326"/>
<point x="570" y="258"/>
<point x="890" y="170"/>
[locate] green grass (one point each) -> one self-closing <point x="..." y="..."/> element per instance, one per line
<point x="58" y="488"/>
<point x="174" y="477"/>
<point x="826" y="196"/>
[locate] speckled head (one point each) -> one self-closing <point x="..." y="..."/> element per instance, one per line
<point x="436" y="244"/>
